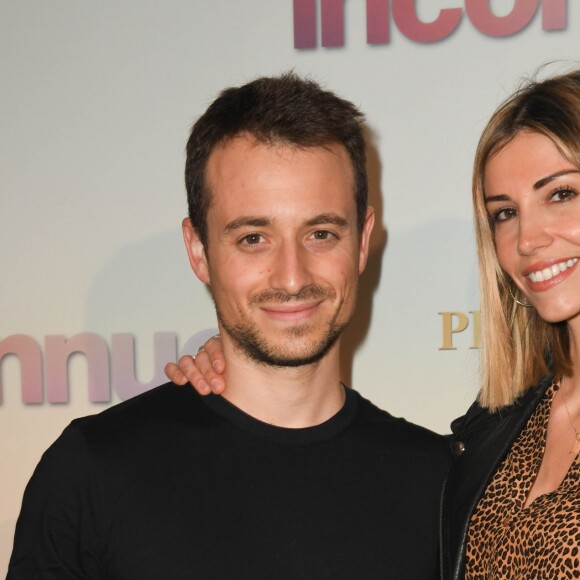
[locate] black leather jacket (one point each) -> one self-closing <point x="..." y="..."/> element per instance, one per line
<point x="479" y="442"/>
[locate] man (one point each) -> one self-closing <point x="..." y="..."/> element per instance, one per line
<point x="289" y="474"/>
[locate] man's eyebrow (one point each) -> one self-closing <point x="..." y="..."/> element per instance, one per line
<point x="327" y="218"/>
<point x="544" y="181"/>
<point x="247" y="220"/>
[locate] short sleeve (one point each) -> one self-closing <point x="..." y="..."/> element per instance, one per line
<point x="56" y="535"/>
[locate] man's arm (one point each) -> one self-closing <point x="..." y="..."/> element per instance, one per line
<point x="55" y="533"/>
<point x="204" y="370"/>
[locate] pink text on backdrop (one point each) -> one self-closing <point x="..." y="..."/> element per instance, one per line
<point x="104" y="370"/>
<point x="404" y="15"/>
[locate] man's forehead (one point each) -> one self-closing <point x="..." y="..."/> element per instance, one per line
<point x="249" y="146"/>
<point x="279" y="183"/>
<point x="250" y="140"/>
<point x="244" y="163"/>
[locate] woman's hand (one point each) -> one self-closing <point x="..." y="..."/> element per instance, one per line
<point x="204" y="370"/>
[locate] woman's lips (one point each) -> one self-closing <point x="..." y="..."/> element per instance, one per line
<point x="547" y="274"/>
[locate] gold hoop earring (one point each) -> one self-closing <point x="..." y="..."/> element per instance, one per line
<point x="524" y="304"/>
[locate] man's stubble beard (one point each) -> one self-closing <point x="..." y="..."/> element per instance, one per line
<point x="248" y="340"/>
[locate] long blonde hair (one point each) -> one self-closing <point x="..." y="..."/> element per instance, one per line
<point x="518" y="347"/>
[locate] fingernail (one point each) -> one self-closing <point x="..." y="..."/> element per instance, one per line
<point x="215" y="384"/>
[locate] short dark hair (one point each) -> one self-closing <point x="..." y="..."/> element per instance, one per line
<point x="287" y="110"/>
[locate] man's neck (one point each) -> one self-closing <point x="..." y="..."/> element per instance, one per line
<point x="291" y="397"/>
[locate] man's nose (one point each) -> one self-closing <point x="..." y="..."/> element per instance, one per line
<point x="291" y="268"/>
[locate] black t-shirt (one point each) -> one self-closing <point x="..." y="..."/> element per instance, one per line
<point x="170" y="485"/>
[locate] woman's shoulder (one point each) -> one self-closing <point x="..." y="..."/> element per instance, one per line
<point x="478" y="416"/>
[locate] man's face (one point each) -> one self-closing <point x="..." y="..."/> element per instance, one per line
<point x="283" y="253"/>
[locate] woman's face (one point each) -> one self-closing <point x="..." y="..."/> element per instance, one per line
<point x="532" y="195"/>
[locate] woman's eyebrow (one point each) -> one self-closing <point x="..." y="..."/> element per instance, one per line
<point x="545" y="180"/>
<point x="501" y="197"/>
<point x="538" y="185"/>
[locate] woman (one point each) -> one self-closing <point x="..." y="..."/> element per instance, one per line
<point x="511" y="507"/>
<point x="511" y="504"/>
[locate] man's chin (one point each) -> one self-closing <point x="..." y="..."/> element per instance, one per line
<point x="286" y="359"/>
<point x="302" y="346"/>
<point x="288" y="354"/>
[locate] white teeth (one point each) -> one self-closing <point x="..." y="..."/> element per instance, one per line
<point x="537" y="276"/>
<point x="548" y="273"/>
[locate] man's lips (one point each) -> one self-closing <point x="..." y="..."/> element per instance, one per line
<point x="290" y="311"/>
<point x="544" y="275"/>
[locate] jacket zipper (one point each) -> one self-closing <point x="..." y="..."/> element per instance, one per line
<point x="441" y="502"/>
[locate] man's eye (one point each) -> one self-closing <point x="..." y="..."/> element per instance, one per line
<point x="322" y="235"/>
<point x="251" y="239"/>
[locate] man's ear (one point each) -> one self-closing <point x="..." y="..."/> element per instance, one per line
<point x="365" y="237"/>
<point x="195" y="251"/>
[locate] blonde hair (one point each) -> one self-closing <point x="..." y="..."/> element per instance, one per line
<point x="518" y="347"/>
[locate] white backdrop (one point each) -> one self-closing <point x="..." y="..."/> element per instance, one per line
<point x="96" y="102"/>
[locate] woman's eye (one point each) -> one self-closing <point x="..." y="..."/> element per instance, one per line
<point x="502" y="215"/>
<point x="563" y="194"/>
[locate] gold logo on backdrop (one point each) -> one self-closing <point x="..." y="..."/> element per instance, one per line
<point x="454" y="323"/>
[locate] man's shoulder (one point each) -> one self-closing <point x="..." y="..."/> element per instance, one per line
<point x="406" y="458"/>
<point x="154" y="412"/>
<point x="398" y="433"/>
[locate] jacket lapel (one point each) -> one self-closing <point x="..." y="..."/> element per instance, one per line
<point x="480" y="442"/>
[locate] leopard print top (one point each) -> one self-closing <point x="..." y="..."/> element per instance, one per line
<point x="506" y="540"/>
